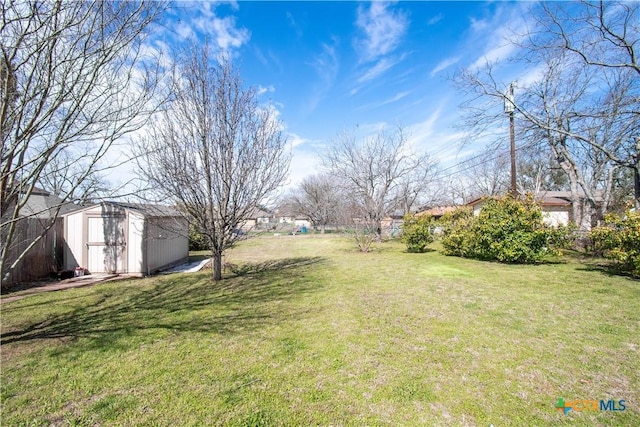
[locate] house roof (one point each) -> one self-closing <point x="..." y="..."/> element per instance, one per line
<point x="553" y="201"/>
<point x="437" y="210"/>
<point x="43" y="204"/>
<point x="152" y="210"/>
<point x="546" y="198"/>
<point x="258" y="213"/>
<point x="598" y="195"/>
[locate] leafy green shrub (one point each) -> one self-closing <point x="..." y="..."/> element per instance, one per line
<point x="449" y="220"/>
<point x="506" y="230"/>
<point x="619" y="240"/>
<point x="417" y="232"/>
<point x="197" y="241"/>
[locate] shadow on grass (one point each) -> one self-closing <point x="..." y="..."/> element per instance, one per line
<point x="426" y="251"/>
<point x="273" y="265"/>
<point x="179" y="303"/>
<point x="609" y="269"/>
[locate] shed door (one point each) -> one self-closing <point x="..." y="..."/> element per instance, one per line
<point x="106" y="244"/>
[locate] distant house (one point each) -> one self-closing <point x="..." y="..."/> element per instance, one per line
<point x="287" y="216"/>
<point x="43" y="204"/>
<point x="557" y="207"/>
<point x="257" y="218"/>
<point x="112" y="237"/>
<point x="392" y="224"/>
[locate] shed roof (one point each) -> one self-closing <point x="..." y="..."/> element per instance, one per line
<point x="147" y="210"/>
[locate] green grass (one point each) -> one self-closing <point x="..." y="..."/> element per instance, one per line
<point x="312" y="332"/>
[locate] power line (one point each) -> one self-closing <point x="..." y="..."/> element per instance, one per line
<point x="486" y="160"/>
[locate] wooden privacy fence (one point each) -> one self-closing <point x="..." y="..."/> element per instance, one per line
<point x="44" y="258"/>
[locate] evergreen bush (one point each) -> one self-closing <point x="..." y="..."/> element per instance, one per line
<point x="506" y="230"/>
<point x="619" y="240"/>
<point x="417" y="232"/>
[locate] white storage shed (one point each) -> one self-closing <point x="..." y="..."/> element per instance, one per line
<point x="115" y="237"/>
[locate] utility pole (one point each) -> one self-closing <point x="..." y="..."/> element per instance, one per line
<point x="636" y="175"/>
<point x="509" y="108"/>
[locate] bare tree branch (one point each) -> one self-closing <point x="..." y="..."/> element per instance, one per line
<point x="73" y="81"/>
<point x="379" y="173"/>
<point x="214" y="151"/>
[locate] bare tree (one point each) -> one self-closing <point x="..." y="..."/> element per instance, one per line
<point x="417" y="188"/>
<point x="372" y="172"/>
<point x="603" y="36"/>
<point x="318" y="198"/>
<point x="601" y="33"/>
<point x="584" y="105"/>
<point x="74" y="79"/>
<point x="539" y="171"/>
<point x="488" y="174"/>
<point x="214" y="151"/>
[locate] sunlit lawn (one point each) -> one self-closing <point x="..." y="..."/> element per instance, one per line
<point x="311" y="332"/>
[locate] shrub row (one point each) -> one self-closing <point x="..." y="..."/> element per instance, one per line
<point x="509" y="230"/>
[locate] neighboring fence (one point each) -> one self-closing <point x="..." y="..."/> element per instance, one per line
<point x="44" y="258"/>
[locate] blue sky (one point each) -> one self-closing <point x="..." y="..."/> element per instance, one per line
<point x="331" y="66"/>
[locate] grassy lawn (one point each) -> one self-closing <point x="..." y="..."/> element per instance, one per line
<point x="314" y="333"/>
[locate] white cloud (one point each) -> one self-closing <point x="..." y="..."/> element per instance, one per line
<point x="184" y="31"/>
<point x="444" y="64"/>
<point x="203" y="19"/>
<point x="227" y="35"/>
<point x="305" y="158"/>
<point x="531" y="76"/>
<point x="494" y="55"/>
<point x="296" y="140"/>
<point x="387" y="101"/>
<point x="326" y="66"/>
<point x="294" y="24"/>
<point x="397" y="97"/>
<point x="435" y="19"/>
<point x="500" y="35"/>
<point x="303" y="164"/>
<point x="380" y="67"/>
<point x="383" y="30"/>
<point x="422" y="131"/>
<point x="269" y="89"/>
<point x="480" y="24"/>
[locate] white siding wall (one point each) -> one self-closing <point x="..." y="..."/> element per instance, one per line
<point x="135" y="244"/>
<point x="74" y="244"/>
<point x="167" y="242"/>
<point x="477" y="208"/>
<point x="555" y="216"/>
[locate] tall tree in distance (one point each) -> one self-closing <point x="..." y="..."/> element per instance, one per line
<point x="75" y="78"/>
<point x="318" y="198"/>
<point x="214" y="151"/>
<point x="379" y="174"/>
<point x="580" y="99"/>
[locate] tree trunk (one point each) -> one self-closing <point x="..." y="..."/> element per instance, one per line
<point x="217" y="266"/>
<point x="378" y="231"/>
